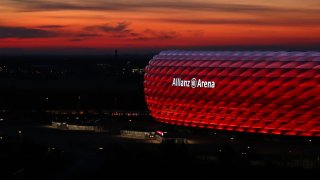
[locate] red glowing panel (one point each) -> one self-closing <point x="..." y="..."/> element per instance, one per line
<point x="257" y="92"/>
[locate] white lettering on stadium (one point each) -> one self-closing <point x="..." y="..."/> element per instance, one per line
<point x="193" y="83"/>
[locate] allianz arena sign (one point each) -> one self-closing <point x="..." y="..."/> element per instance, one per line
<point x="193" y="83"/>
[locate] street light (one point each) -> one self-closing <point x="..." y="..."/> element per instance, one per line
<point x="20" y="135"/>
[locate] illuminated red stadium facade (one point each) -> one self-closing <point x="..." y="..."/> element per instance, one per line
<point x="259" y="92"/>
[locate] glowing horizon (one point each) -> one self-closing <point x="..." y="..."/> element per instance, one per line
<point x="157" y="23"/>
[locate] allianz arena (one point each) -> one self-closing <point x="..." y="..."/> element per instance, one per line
<point x="245" y="91"/>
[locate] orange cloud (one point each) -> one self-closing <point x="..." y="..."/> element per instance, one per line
<point x="158" y="23"/>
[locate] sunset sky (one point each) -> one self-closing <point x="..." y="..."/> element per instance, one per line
<point x="139" y="24"/>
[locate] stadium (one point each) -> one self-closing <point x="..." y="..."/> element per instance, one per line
<point x="265" y="92"/>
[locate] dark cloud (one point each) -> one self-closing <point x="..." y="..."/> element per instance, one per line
<point x="286" y="22"/>
<point x="120" y="27"/>
<point x="42" y="5"/>
<point x="51" y="26"/>
<point x="122" y="30"/>
<point x="22" y="32"/>
<point x="122" y="5"/>
<point x="118" y="30"/>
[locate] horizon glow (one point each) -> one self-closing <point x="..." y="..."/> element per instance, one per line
<point x="132" y="24"/>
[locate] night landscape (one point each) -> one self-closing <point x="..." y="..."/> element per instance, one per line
<point x="159" y="89"/>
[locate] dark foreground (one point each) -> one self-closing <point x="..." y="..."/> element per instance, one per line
<point x="39" y="152"/>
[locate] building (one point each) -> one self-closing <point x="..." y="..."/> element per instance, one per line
<point x="247" y="91"/>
